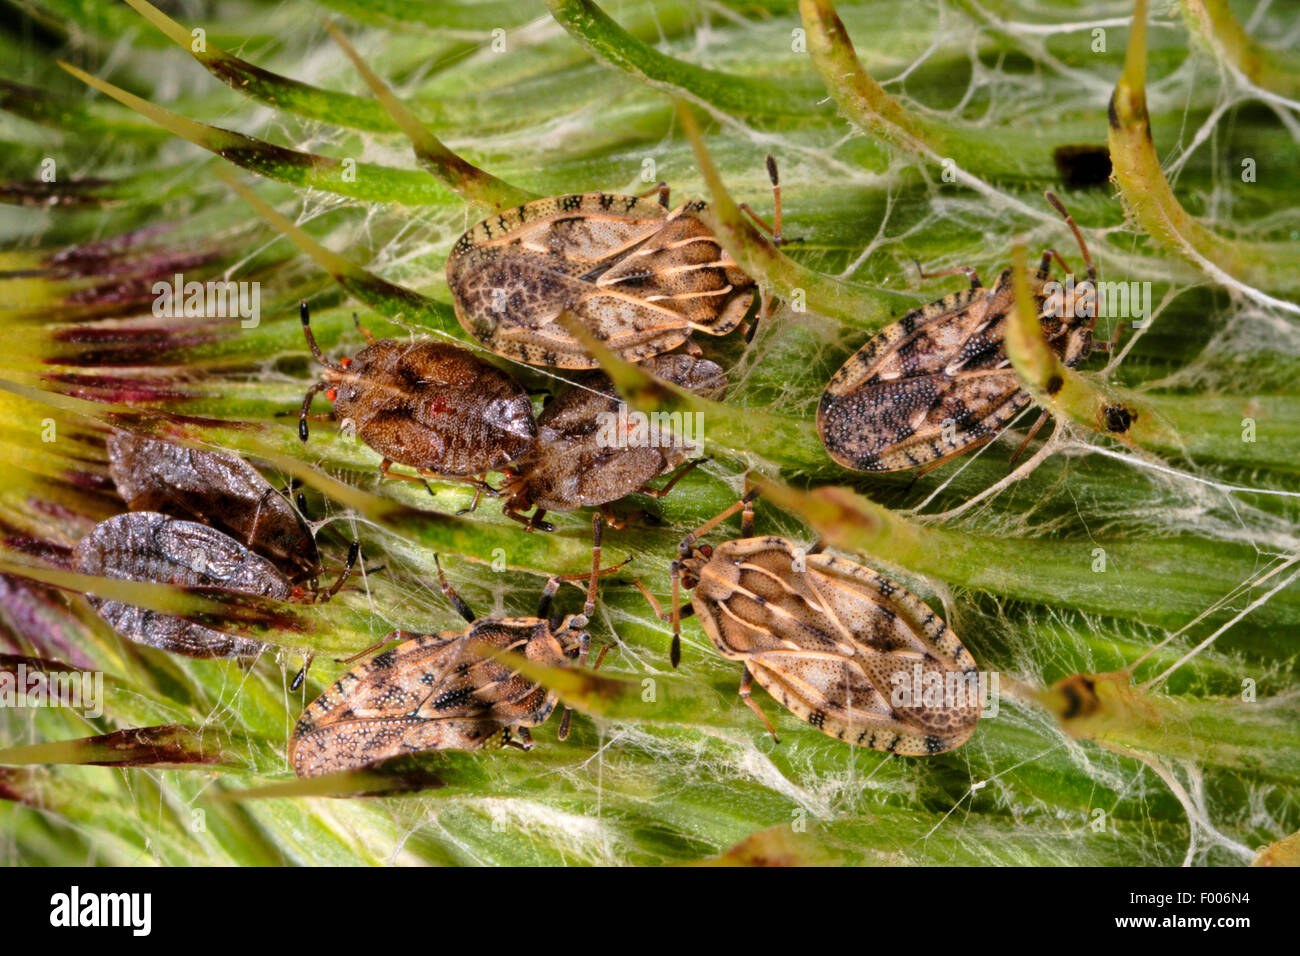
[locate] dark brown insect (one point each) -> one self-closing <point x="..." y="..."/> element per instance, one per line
<point x="429" y="405"/>
<point x="591" y="451"/>
<point x="148" y="546"/>
<point x="641" y="277"/>
<point x="848" y="650"/>
<point x="439" y="691"/>
<point x="938" y="382"/>
<point x="221" y="490"/>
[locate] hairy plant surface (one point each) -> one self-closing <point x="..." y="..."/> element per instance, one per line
<point x="1131" y="593"/>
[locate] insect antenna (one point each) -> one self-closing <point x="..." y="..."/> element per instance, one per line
<point x="461" y="607"/>
<point x="354" y="551"/>
<point x="304" y="316"/>
<point x="1074" y="228"/>
<point x="302" y="672"/>
<point x="306" y="407"/>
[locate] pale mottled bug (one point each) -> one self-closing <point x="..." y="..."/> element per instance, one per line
<point x="430" y="405"/>
<point x="938" y="382"/>
<point x="839" y="645"/>
<point x="439" y="692"/>
<point x="641" y="277"/>
<point x="578" y="460"/>
<point x="148" y="546"/>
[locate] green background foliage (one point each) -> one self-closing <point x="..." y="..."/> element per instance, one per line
<point x="1099" y="553"/>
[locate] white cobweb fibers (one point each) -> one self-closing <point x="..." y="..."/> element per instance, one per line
<point x="1023" y="791"/>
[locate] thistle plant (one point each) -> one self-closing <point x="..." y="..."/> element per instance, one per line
<point x="1128" y="585"/>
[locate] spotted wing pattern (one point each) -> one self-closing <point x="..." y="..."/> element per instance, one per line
<point x="932" y="385"/>
<point x="431" y="692"/>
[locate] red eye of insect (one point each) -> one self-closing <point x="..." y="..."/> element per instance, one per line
<point x="438" y="405"/>
<point x="345" y="362"/>
<point x="331" y="393"/>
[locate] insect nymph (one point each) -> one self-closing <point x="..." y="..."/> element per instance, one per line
<point x="430" y="405"/>
<point x="580" y="461"/>
<point x="938" y="382"/>
<point x="439" y="691"/>
<point x="856" y="655"/>
<point x="640" y="276"/>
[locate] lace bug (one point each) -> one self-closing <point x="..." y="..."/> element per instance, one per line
<point x="840" y="646"/>
<point x="641" y="276"/>
<point x="221" y="490"/>
<point x="938" y="382"/>
<point x="150" y="546"/>
<point x="438" y="692"/>
<point x="579" y="463"/>
<point x="430" y="405"/>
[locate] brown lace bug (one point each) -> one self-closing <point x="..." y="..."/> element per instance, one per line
<point x="429" y="405"/>
<point x="938" y="382"/>
<point x="642" y="277"/>
<point x="839" y="645"/>
<point x="149" y="546"/>
<point x="217" y="489"/>
<point x="580" y="462"/>
<point x="439" y="692"/>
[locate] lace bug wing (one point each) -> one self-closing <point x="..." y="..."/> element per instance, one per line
<point x="932" y="385"/>
<point x="839" y="646"/>
<point x="640" y="277"/>
<point x="221" y="490"/>
<point x="148" y="546"/>
<point x="432" y="692"/>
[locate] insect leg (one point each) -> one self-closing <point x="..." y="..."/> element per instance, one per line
<point x="747" y="682"/>
<point x="398" y="636"/>
<point x="304" y="316"/>
<point x="525" y="741"/>
<point x="532" y="522"/>
<point x="386" y="469"/>
<point x="1113" y="343"/>
<point x="747" y="515"/>
<point x="354" y="550"/>
<point x="684" y="548"/>
<point x="681" y="472"/>
<point x="764" y="306"/>
<point x="306" y="406"/>
<point x="461" y="607"/>
<point x="661" y="189"/>
<point x="257" y="516"/>
<point x="1042" y="419"/>
<point x="617" y="523"/>
<point x="967" y="271"/>
<point x="589" y="606"/>
<point x="479" y="484"/>
<point x="675" y="649"/>
<point x="657" y="607"/>
<point x="584" y="648"/>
